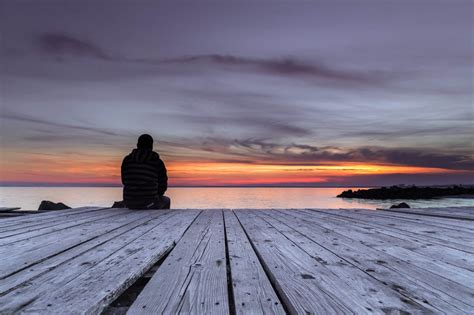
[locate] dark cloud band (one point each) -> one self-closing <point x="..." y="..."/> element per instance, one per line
<point x="265" y="152"/>
<point x="59" y="44"/>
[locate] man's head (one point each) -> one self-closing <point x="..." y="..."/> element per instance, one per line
<point x="145" y="142"/>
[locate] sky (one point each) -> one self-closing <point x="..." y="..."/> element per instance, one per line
<point x="300" y="93"/>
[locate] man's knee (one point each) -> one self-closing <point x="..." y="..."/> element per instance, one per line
<point x="166" y="201"/>
<point x="161" y="202"/>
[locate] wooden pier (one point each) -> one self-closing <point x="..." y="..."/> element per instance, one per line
<point x="311" y="261"/>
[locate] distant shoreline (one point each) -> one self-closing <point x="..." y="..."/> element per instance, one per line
<point x="188" y="186"/>
<point x="411" y="192"/>
<point x="39" y="185"/>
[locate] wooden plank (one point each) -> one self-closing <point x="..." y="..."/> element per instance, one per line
<point x="414" y="231"/>
<point x="15" y="243"/>
<point x="91" y="291"/>
<point x="252" y="290"/>
<point x="55" y="226"/>
<point x="450" y="223"/>
<point x="462" y="213"/>
<point x="456" y="274"/>
<point x="430" y="248"/>
<point x="411" y="280"/>
<point x="352" y="285"/>
<point x="43" y="215"/>
<point x="82" y="256"/>
<point x="193" y="277"/>
<point x="454" y="235"/>
<point x="303" y="286"/>
<point x="10" y="224"/>
<point x="40" y="224"/>
<point x="379" y="296"/>
<point x="22" y="254"/>
<point x="463" y="232"/>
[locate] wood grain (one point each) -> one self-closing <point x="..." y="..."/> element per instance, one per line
<point x="193" y="277"/>
<point x="252" y="290"/>
<point x="90" y="292"/>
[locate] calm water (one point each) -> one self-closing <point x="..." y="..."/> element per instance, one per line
<point x="29" y="198"/>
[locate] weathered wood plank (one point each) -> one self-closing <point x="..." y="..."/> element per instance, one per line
<point x="82" y="256"/>
<point x="193" y="278"/>
<point x="450" y="223"/>
<point x="91" y="291"/>
<point x="50" y="227"/>
<point x="252" y="290"/>
<point x="456" y="274"/>
<point x="348" y="254"/>
<point x="459" y="279"/>
<point x="463" y="213"/>
<point x="367" y="291"/>
<point x="47" y="214"/>
<point x="411" y="280"/>
<point x="414" y="232"/>
<point x="303" y="286"/>
<point x="423" y="245"/>
<point x="349" y="284"/>
<point x="10" y="224"/>
<point x="425" y="228"/>
<point x="376" y="236"/>
<point x="31" y="224"/>
<point x="22" y="254"/>
<point x="23" y="245"/>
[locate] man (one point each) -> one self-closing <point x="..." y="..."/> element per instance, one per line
<point x="144" y="177"/>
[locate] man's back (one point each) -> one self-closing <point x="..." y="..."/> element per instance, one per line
<point x="144" y="178"/>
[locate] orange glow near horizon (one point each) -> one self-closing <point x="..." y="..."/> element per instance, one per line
<point x="258" y="174"/>
<point x="56" y="169"/>
<point x="346" y="168"/>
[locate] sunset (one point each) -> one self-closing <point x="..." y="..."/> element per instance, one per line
<point x="288" y="99"/>
<point x="236" y="157"/>
<point x="54" y="170"/>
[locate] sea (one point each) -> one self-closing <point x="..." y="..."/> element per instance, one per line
<point x="29" y="198"/>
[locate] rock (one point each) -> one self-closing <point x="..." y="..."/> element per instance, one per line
<point x="49" y="205"/>
<point x="408" y="192"/>
<point x="119" y="204"/>
<point x="400" y="205"/>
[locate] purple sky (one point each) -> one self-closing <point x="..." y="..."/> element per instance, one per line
<point x="280" y="82"/>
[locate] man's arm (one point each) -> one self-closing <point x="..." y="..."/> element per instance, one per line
<point x="162" y="178"/>
<point x="121" y="170"/>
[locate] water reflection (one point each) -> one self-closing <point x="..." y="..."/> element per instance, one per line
<point x="205" y="198"/>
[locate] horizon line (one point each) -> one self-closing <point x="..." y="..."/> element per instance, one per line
<point x="193" y="186"/>
<point x="180" y="186"/>
<point x="90" y="185"/>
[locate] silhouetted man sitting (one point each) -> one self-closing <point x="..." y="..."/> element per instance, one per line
<point x="144" y="177"/>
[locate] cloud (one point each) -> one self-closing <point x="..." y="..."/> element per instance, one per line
<point x="49" y="123"/>
<point x="260" y="150"/>
<point x="62" y="44"/>
<point x="288" y="67"/>
<point x="265" y="152"/>
<point x="59" y="44"/>
<point x="270" y="125"/>
<point x="410" y="131"/>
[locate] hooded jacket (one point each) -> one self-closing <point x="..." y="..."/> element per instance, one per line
<point x="144" y="178"/>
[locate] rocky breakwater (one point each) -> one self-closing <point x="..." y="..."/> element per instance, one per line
<point x="409" y="192"/>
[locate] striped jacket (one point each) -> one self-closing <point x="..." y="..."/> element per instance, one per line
<point x="144" y="178"/>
